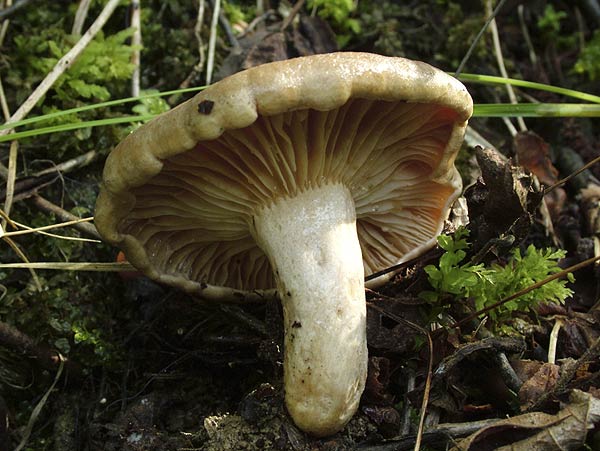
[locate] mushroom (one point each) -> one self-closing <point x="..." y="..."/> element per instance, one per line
<point x="301" y="176"/>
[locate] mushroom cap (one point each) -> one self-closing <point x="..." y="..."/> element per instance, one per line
<point x="178" y="194"/>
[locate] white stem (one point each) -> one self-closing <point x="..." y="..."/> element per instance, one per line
<point x="313" y="247"/>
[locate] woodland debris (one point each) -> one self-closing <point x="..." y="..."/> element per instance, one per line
<point x="566" y="430"/>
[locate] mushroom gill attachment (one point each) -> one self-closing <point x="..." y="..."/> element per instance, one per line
<point x="299" y="176"/>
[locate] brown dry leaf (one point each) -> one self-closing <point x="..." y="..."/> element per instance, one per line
<point x="533" y="154"/>
<point x="525" y="369"/>
<point x="542" y="381"/>
<point x="537" y="431"/>
<point x="378" y="380"/>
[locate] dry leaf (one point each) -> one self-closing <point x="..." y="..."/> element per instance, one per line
<point x="537" y="431"/>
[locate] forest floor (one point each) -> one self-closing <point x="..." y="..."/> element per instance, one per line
<point x="113" y="361"/>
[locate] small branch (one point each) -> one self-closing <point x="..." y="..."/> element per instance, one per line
<point x="136" y="43"/>
<point x="62" y="65"/>
<point x="570" y="176"/>
<point x="294" y="11"/>
<point x="69" y="165"/>
<point x="63" y="215"/>
<point x="80" y="17"/>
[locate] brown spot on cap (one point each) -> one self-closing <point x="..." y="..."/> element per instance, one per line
<point x="206" y="106"/>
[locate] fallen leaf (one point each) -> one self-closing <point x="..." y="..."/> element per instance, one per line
<point x="537" y="431"/>
<point x="542" y="381"/>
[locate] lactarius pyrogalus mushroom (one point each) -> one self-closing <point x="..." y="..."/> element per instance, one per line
<point x="301" y="175"/>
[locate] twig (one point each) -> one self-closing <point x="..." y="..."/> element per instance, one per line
<point x="62" y="65"/>
<point x="570" y="176"/>
<point x="136" y="44"/>
<point x="63" y="215"/>
<point x="4" y="13"/>
<point x="500" y="61"/>
<point x="11" y="337"/>
<point x="293" y="12"/>
<point x="69" y="165"/>
<point x="80" y="17"/>
<point x="212" y="41"/>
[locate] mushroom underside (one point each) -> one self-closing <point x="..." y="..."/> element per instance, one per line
<point x="194" y="218"/>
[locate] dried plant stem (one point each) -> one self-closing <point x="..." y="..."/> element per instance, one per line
<point x="71" y="266"/>
<point x="525" y="31"/>
<point x="15" y="247"/>
<point x="69" y="165"/>
<point x="212" y="41"/>
<point x="29" y="230"/>
<point x="502" y="68"/>
<point x="80" y="16"/>
<point x="554" y="340"/>
<point x="63" y="215"/>
<point x="136" y="43"/>
<point x="570" y="176"/>
<point x="295" y="10"/>
<point x="4" y="27"/>
<point x="62" y="65"/>
<point x="11" y="176"/>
